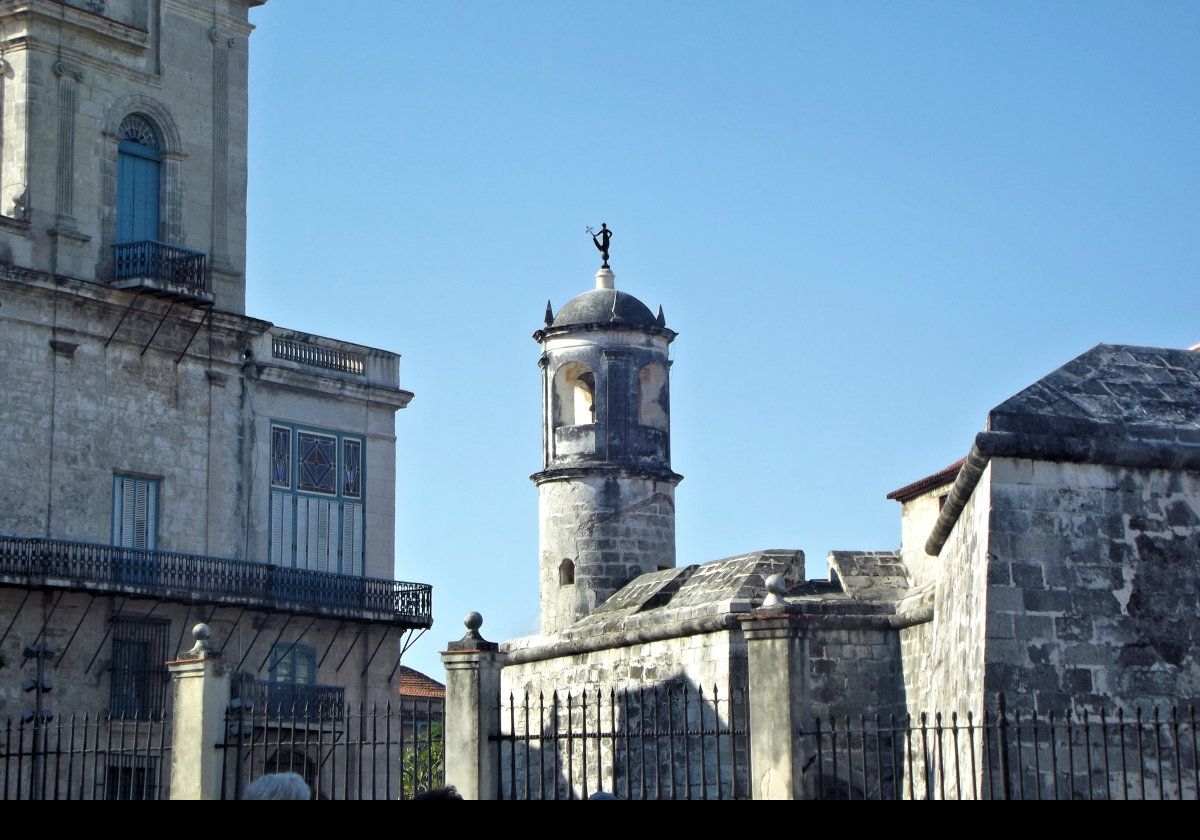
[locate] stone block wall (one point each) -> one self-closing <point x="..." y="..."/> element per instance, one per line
<point x="1093" y="585"/>
<point x="648" y="682"/>
<point x="611" y="529"/>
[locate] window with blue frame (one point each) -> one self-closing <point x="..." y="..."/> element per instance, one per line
<point x="135" y="526"/>
<point x="138" y="180"/>
<point x="317" y="498"/>
<point x="135" y="512"/>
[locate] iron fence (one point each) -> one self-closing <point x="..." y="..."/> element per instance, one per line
<point x="88" y="757"/>
<point x="1144" y="754"/>
<point x="342" y="753"/>
<point x="672" y="741"/>
<point x="158" y="261"/>
<point x="279" y="698"/>
<point x="193" y="578"/>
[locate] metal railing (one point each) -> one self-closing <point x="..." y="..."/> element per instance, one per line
<point x="91" y="757"/>
<point x="342" y="753"/>
<point x="673" y="741"/>
<point x="279" y="698"/>
<point x="194" y="578"/>
<point x="159" y="261"/>
<point x="316" y="355"/>
<point x="1006" y="755"/>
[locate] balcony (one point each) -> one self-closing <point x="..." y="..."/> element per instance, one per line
<point x="275" y="699"/>
<point x="158" y="268"/>
<point x="197" y="579"/>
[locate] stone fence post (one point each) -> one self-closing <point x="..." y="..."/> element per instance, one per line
<point x="200" y="686"/>
<point x="472" y="712"/>
<point x="774" y="652"/>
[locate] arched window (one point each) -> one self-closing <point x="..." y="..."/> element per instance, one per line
<point x="574" y="395"/>
<point x="138" y="180"/>
<point x="652" y="393"/>
<point x="566" y="573"/>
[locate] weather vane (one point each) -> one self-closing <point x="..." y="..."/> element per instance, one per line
<point x="600" y="240"/>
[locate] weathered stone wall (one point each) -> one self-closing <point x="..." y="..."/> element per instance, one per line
<point x="916" y="521"/>
<point x="611" y="528"/>
<point x="1093" y="584"/>
<point x="640" y="675"/>
<point x="92" y="391"/>
<point x="82" y="677"/>
<point x="79" y="412"/>
<point x="851" y="671"/>
<point x="953" y="661"/>
<point x="71" y="76"/>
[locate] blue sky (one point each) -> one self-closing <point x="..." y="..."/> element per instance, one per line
<point x="868" y="222"/>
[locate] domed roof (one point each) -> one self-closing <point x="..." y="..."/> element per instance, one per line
<point x="605" y="306"/>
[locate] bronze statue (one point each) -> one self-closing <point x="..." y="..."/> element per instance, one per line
<point x="601" y="240"/>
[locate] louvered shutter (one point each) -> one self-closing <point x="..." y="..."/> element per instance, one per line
<point x="303" y="532"/>
<point x="352" y="527"/>
<point x="135" y="512"/>
<point x="277" y="550"/>
<point x="128" y="513"/>
<point x="320" y="559"/>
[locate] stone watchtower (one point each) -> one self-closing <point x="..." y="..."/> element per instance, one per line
<point x="606" y="493"/>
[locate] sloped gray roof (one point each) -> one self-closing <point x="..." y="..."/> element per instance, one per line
<point x="1111" y="390"/>
<point x="1115" y="404"/>
<point x="870" y="575"/>
<point x="722" y="587"/>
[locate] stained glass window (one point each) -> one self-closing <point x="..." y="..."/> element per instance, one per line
<point x="318" y="463"/>
<point x="137" y="129"/>
<point x="281" y="457"/>
<point x="351" y="467"/>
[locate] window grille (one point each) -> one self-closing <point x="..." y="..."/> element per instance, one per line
<point x="139" y="673"/>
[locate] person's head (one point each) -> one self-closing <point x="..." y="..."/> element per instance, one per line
<point x="278" y="786"/>
<point x="448" y="792"/>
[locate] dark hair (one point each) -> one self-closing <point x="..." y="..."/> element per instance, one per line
<point x="448" y="792"/>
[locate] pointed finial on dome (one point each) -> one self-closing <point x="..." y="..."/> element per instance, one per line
<point x="662" y="318"/>
<point x="549" y="314"/>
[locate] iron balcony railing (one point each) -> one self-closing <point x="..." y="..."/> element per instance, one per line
<point x="286" y="698"/>
<point x="194" y="578"/>
<point x="159" y="261"/>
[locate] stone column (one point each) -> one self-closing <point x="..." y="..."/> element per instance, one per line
<point x="69" y="77"/>
<point x="472" y="712"/>
<point x="774" y="651"/>
<point x="200" y="683"/>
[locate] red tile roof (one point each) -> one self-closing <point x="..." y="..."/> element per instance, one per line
<point x="942" y="477"/>
<point x="415" y="684"/>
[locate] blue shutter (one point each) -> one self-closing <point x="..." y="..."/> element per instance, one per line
<point x="137" y="193"/>
<point x="135" y="512"/>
